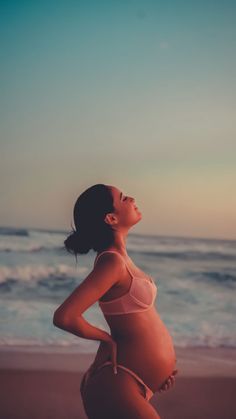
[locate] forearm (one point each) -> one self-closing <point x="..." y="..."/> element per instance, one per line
<point x="81" y="328"/>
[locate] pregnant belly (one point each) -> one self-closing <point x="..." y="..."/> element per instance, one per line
<point x="151" y="356"/>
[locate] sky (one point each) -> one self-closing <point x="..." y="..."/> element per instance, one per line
<point x="135" y="94"/>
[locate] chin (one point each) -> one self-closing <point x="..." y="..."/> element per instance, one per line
<point x="139" y="217"/>
<point x="139" y="212"/>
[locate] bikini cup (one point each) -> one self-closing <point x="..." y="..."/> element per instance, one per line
<point x="141" y="294"/>
<point x="142" y="291"/>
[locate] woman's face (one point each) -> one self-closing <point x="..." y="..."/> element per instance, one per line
<point x="126" y="211"/>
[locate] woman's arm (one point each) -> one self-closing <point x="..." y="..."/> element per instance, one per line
<point x="81" y="328"/>
<point x="108" y="270"/>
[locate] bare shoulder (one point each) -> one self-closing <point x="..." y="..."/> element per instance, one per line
<point x="112" y="260"/>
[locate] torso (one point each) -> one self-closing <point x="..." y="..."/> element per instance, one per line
<point x="155" y="359"/>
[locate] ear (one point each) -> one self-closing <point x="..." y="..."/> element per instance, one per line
<point x="111" y="219"/>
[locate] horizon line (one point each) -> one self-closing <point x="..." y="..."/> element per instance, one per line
<point x="59" y="231"/>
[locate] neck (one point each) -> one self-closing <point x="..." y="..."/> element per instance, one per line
<point x="119" y="243"/>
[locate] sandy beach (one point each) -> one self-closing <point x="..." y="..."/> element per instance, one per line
<point x="46" y="384"/>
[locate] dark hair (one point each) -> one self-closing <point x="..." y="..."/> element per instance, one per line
<point x="91" y="231"/>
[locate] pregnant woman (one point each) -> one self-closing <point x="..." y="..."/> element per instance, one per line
<point x="137" y="359"/>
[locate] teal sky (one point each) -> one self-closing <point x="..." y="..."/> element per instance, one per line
<point x="138" y="94"/>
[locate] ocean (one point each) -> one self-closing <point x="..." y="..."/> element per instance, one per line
<point x="196" y="281"/>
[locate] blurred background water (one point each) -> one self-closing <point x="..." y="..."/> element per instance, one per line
<point x="196" y="281"/>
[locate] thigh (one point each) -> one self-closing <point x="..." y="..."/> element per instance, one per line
<point x="119" y="396"/>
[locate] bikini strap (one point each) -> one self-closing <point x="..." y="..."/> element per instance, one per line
<point x="113" y="251"/>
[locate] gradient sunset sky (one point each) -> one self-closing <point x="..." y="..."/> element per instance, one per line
<point x="137" y="94"/>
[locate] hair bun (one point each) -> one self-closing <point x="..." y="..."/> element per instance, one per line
<point x="78" y="241"/>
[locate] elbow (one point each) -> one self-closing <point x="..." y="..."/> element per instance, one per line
<point x="63" y="321"/>
<point x="57" y="319"/>
<point x="60" y="320"/>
